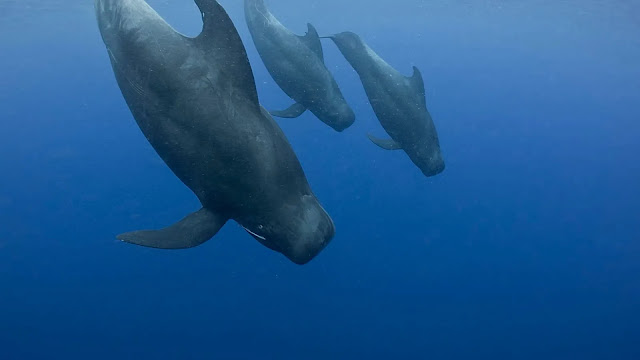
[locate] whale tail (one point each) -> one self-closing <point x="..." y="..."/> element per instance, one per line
<point x="195" y="229"/>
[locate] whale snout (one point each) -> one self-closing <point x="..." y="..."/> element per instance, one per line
<point x="432" y="166"/>
<point x="342" y="124"/>
<point x="313" y="231"/>
<point x="306" y="250"/>
<point x="299" y="231"/>
<point x="338" y="119"/>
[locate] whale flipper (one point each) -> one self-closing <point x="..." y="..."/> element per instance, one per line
<point x="387" y="144"/>
<point x="221" y="42"/>
<point x="312" y="40"/>
<point x="292" y="111"/>
<point x="195" y="229"/>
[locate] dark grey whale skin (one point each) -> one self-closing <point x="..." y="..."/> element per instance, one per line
<point x="196" y="103"/>
<point x="296" y="64"/>
<point x="398" y="102"/>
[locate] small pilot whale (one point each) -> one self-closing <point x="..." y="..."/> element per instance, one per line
<point x="195" y="100"/>
<point x="399" y="103"/>
<point x="296" y="64"/>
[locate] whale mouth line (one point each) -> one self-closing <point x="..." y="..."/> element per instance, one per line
<point x="254" y="234"/>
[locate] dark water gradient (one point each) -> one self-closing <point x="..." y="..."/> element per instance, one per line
<point x="526" y="247"/>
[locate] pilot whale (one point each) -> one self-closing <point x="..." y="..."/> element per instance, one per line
<point x="195" y="101"/>
<point x="398" y="102"/>
<point x="296" y="63"/>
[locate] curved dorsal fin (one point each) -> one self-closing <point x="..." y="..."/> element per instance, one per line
<point x="417" y="83"/>
<point x="312" y="40"/>
<point x="219" y="39"/>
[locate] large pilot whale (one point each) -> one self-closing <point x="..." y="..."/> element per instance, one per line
<point x="398" y="102"/>
<point x="195" y="100"/>
<point x="296" y="64"/>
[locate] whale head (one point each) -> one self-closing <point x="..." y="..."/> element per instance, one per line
<point x="336" y="113"/>
<point x="431" y="163"/>
<point x="347" y="40"/>
<point x="426" y="154"/>
<point x="349" y="44"/>
<point x="299" y="229"/>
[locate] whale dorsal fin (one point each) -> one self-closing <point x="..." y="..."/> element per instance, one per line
<point x="417" y="84"/>
<point x="220" y="41"/>
<point x="312" y="40"/>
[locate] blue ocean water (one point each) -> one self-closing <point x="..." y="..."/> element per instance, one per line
<point x="526" y="247"/>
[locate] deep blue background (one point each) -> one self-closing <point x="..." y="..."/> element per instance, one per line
<point x="526" y="247"/>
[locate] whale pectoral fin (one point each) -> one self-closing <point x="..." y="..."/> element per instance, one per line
<point x="387" y="144"/>
<point x="195" y="229"/>
<point x="312" y="40"/>
<point x="417" y="83"/>
<point x="292" y="111"/>
<point x="221" y="43"/>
